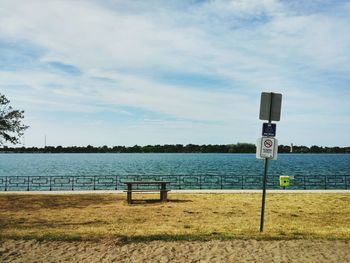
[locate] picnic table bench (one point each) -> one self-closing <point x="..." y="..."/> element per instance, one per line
<point x="163" y="191"/>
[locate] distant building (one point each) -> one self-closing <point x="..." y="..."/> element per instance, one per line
<point x="291" y="147"/>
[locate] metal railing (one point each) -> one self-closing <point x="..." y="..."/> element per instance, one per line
<point x="116" y="182"/>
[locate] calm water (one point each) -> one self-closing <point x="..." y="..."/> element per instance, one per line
<point x="170" y="164"/>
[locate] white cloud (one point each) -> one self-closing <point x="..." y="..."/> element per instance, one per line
<point x="122" y="48"/>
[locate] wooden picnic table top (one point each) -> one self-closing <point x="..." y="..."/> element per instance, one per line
<point x="147" y="182"/>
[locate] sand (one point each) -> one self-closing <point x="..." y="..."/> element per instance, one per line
<point x="159" y="251"/>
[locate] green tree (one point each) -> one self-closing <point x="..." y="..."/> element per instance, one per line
<point x="315" y="149"/>
<point x="11" y="127"/>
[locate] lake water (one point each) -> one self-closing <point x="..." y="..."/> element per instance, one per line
<point x="170" y="164"/>
<point x="210" y="166"/>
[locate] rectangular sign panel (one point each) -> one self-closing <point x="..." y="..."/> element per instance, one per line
<point x="267" y="148"/>
<point x="269" y="129"/>
<point x="270" y="103"/>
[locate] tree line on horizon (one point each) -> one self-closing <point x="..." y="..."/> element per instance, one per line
<point x="172" y="148"/>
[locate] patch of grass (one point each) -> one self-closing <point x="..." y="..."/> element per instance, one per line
<point x="47" y="237"/>
<point x="184" y="217"/>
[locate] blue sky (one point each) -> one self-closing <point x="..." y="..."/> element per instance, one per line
<point x="167" y="72"/>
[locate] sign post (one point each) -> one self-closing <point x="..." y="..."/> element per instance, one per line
<point x="270" y="109"/>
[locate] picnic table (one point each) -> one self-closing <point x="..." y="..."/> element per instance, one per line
<point x="163" y="191"/>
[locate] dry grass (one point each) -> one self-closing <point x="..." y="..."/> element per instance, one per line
<point x="184" y="217"/>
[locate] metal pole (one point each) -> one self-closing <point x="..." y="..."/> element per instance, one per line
<point x="263" y="196"/>
<point x="265" y="177"/>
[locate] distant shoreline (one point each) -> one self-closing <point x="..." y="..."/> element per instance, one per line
<point x="307" y="153"/>
<point x="174" y="148"/>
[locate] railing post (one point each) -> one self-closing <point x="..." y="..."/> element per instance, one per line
<point x="179" y="182"/>
<point x="116" y="182"/>
<point x="242" y="182"/>
<point x="200" y="182"/>
<point x="28" y="184"/>
<point x="94" y="182"/>
<point x="50" y="183"/>
<point x="221" y="185"/>
<point x="5" y="183"/>
<point x="73" y="182"/>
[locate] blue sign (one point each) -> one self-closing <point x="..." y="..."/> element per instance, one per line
<point x="269" y="129"/>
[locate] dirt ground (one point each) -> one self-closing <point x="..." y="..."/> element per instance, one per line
<point x="160" y="251"/>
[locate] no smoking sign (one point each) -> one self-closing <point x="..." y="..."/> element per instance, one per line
<point x="268" y="143"/>
<point x="267" y="147"/>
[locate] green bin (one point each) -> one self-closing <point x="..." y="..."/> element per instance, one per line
<point x="284" y="180"/>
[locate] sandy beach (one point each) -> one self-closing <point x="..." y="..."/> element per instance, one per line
<point x="160" y="251"/>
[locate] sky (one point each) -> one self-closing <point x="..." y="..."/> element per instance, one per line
<point x="177" y="71"/>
